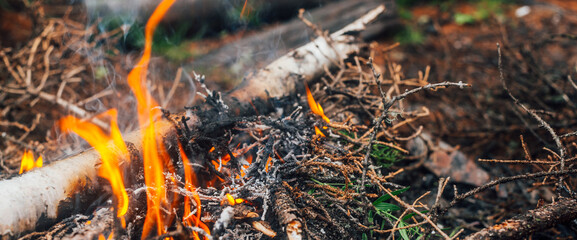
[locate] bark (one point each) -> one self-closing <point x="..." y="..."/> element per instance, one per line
<point x="521" y="226"/>
<point x="40" y="197"/>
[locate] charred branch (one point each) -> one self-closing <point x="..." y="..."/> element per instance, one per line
<point x="562" y="211"/>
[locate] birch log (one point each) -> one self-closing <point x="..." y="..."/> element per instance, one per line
<point x="305" y="63"/>
<point x="40" y="197"/>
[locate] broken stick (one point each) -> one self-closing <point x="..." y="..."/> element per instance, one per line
<point x="44" y="195"/>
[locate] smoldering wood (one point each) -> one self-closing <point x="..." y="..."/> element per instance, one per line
<point x="42" y="196"/>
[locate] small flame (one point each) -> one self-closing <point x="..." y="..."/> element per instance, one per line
<point x="232" y="201"/>
<point x="111" y="148"/>
<point x="318" y="132"/>
<point x="188" y="218"/>
<point x="28" y="162"/>
<point x="268" y="164"/>
<point x="315" y="107"/>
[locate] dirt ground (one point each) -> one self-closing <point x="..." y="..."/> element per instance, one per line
<point x="448" y="41"/>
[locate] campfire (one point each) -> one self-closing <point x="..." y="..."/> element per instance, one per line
<point x="304" y="148"/>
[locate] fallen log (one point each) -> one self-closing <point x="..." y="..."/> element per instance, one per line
<point x="42" y="196"/>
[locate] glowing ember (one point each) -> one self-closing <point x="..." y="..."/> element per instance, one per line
<point x="315" y="107"/>
<point x="235" y="153"/>
<point x="223" y="161"/>
<point x="245" y="166"/>
<point x="28" y="162"/>
<point x="230" y="199"/>
<point x="111" y="148"/>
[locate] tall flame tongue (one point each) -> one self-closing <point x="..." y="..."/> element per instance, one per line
<point x="111" y="148"/>
<point x="147" y="112"/>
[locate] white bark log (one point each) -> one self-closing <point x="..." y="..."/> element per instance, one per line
<point x="305" y="63"/>
<point x="40" y="195"/>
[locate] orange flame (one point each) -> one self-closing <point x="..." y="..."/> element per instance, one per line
<point x="318" y="132"/>
<point x="315" y="107"/>
<point x="28" y="162"/>
<point x="268" y="163"/>
<point x="188" y="218"/>
<point x="231" y="200"/>
<point x="111" y="147"/>
<point x="147" y="111"/>
<point x="110" y="237"/>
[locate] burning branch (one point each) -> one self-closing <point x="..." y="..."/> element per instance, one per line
<point x="52" y="191"/>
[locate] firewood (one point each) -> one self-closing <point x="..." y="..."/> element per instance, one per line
<point x="286" y="211"/>
<point x="42" y="196"/>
